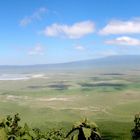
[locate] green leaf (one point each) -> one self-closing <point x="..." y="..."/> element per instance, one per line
<point x="87" y="132"/>
<point x="75" y="137"/>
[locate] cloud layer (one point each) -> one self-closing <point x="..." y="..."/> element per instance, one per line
<point x="124" y="40"/>
<point x="74" y="31"/>
<point x="37" y="50"/>
<point x="37" y="15"/>
<point x="80" y="47"/>
<point x="121" y="27"/>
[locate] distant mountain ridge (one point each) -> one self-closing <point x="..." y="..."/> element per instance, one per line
<point x="109" y="59"/>
<point x="132" y="61"/>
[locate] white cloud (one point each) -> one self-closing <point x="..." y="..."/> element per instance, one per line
<point x="121" y="27"/>
<point x="74" y="31"/>
<point x="37" y="15"/>
<point x="124" y="40"/>
<point x="37" y="50"/>
<point x="80" y="47"/>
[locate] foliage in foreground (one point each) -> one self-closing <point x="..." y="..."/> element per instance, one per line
<point x="84" y="130"/>
<point x="11" y="130"/>
<point x="136" y="130"/>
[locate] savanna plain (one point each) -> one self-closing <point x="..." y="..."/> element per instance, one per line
<point x="58" y="98"/>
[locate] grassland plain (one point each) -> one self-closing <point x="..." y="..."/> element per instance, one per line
<point x="58" y="99"/>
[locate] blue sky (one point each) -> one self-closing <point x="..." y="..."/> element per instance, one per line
<point x="56" y="31"/>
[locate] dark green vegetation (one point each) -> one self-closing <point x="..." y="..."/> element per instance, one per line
<point x="56" y="96"/>
<point x="11" y="130"/>
<point x="136" y="130"/>
<point x="84" y="131"/>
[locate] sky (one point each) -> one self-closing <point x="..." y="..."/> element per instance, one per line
<point x="57" y="31"/>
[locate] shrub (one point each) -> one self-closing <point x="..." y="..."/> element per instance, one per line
<point x="11" y="130"/>
<point x="136" y="130"/>
<point x="84" y="130"/>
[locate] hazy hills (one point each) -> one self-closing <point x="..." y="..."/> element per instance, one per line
<point x="118" y="61"/>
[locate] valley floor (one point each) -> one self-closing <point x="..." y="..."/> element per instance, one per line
<point x="58" y="99"/>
